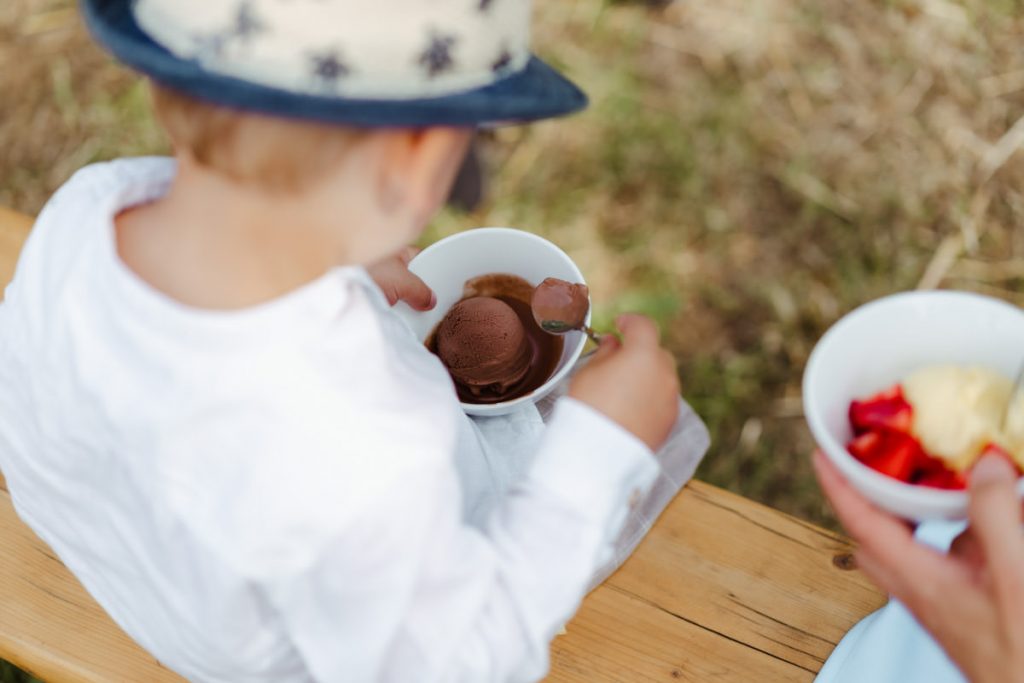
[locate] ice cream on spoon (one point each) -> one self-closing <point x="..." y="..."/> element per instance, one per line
<point x="560" y="307"/>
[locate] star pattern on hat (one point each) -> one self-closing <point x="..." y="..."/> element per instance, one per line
<point x="445" y="46"/>
<point x="328" y="68"/>
<point x="210" y="45"/>
<point x="437" y="57"/>
<point x="245" y="25"/>
<point x="503" y="62"/>
<point x="247" y="22"/>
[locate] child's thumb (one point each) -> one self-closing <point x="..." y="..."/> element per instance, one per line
<point x="415" y="292"/>
<point x="609" y="345"/>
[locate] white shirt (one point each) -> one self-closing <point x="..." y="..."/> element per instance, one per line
<point x="272" y="494"/>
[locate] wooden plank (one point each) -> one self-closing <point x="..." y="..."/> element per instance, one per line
<point x="618" y="638"/>
<point x="14" y="228"/>
<point x="705" y="614"/>
<point x="752" y="576"/>
<point x="50" y="626"/>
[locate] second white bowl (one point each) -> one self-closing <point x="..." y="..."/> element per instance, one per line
<point x="877" y="346"/>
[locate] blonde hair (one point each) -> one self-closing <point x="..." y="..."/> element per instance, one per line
<point x="274" y="153"/>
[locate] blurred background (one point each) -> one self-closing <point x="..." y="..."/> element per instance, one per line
<point x="749" y="170"/>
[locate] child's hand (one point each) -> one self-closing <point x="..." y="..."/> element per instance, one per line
<point x="633" y="383"/>
<point x="398" y="284"/>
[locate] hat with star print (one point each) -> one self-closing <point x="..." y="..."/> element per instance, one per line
<point x="357" y="62"/>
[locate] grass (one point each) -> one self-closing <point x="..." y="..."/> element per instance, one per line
<point x="747" y="173"/>
<point x="10" y="674"/>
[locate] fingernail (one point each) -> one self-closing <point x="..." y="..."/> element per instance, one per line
<point x="433" y="301"/>
<point x="991" y="468"/>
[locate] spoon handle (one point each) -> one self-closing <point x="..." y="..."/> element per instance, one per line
<point x="594" y="336"/>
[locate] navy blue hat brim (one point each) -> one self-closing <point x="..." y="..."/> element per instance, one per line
<point x="536" y="92"/>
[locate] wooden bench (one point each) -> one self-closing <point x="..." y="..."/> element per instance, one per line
<point x="722" y="589"/>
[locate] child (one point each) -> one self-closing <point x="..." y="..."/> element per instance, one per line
<point x="207" y="408"/>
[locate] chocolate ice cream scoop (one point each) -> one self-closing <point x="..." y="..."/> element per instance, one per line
<point x="482" y="342"/>
<point x="559" y="307"/>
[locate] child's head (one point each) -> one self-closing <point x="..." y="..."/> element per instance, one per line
<point x="396" y="86"/>
<point x="278" y="155"/>
<point x="388" y="182"/>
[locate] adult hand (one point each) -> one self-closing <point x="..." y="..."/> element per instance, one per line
<point x="393" y="277"/>
<point x="972" y="600"/>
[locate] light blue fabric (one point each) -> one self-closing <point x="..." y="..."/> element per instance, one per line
<point x="889" y="646"/>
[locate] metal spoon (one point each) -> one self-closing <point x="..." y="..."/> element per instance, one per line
<point x="560" y="307"/>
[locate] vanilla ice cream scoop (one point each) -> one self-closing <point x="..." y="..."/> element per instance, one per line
<point x="958" y="411"/>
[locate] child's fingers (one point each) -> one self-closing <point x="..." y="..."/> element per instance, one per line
<point x="408" y="254"/>
<point x="414" y="291"/>
<point x="637" y="330"/>
<point x="608" y="345"/>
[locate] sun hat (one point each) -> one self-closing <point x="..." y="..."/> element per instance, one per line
<point x="358" y="62"/>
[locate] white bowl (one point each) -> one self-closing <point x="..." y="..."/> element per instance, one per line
<point x="877" y="346"/>
<point x="448" y="263"/>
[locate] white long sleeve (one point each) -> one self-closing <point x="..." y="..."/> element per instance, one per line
<point x="413" y="593"/>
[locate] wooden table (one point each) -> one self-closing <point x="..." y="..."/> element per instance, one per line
<point x="14" y="229"/>
<point x="722" y="589"/>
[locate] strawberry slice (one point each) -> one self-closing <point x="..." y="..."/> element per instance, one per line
<point x="941" y="477"/>
<point x="886" y="410"/>
<point x="898" y="456"/>
<point x="865" y="446"/>
<point x="996" y="449"/>
<point x="883" y="441"/>
<point x="936" y="474"/>
<point x="893" y="453"/>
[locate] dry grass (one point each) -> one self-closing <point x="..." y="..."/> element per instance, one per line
<point x="748" y="172"/>
<point x="62" y="103"/>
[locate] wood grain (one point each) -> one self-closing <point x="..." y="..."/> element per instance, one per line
<point x="14" y="228"/>
<point x="50" y="626"/>
<point x="766" y="590"/>
<point x="619" y="638"/>
<point x="723" y="589"/>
